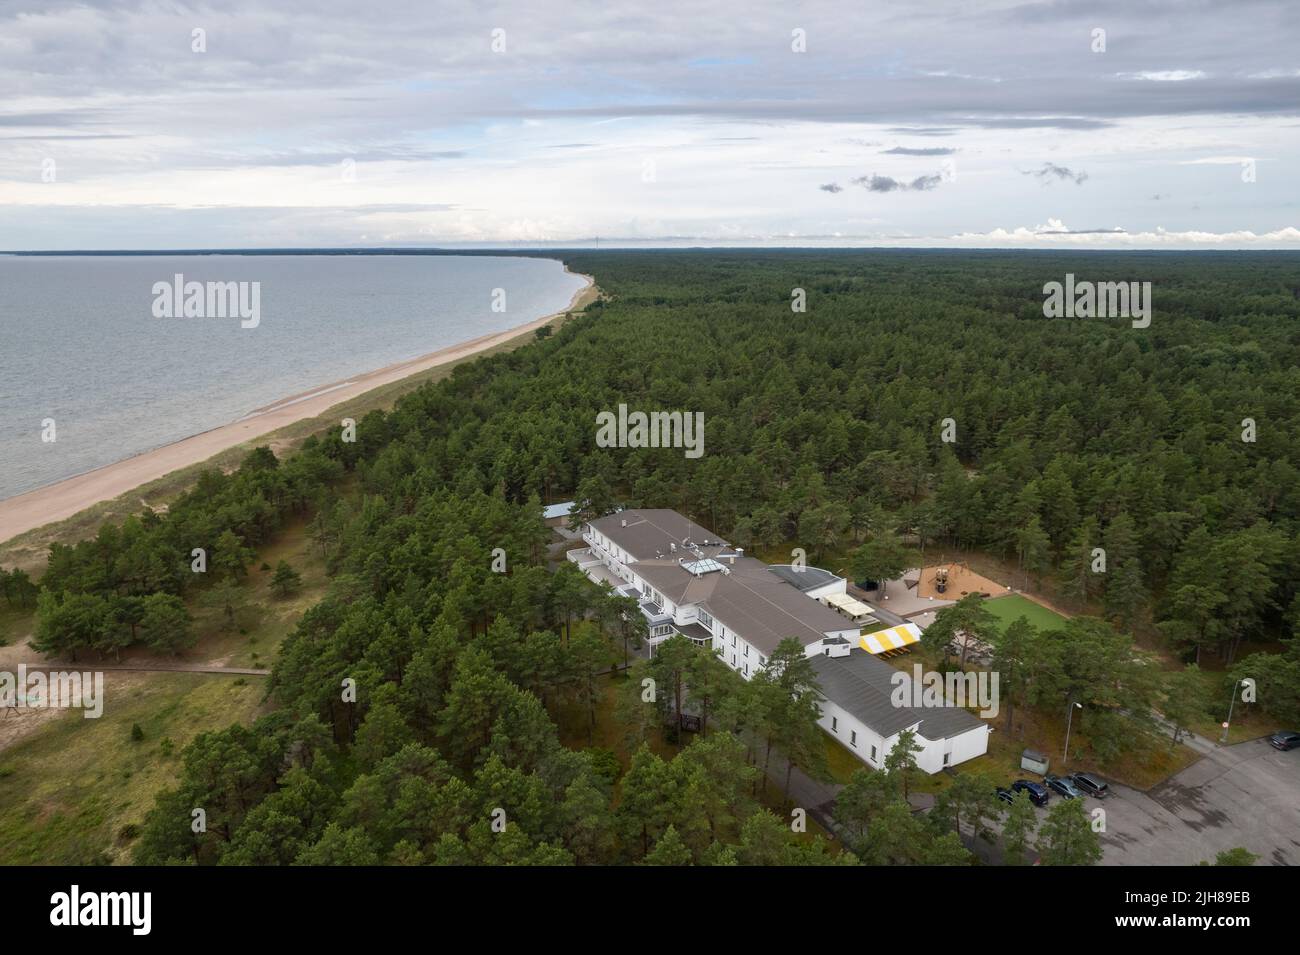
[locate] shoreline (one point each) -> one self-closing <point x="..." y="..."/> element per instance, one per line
<point x="65" y="498"/>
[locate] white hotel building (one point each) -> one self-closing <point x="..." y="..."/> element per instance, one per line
<point x="689" y="581"/>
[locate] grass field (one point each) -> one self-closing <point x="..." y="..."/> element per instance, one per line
<point x="68" y="792"/>
<point x="1012" y="606"/>
<point x="71" y="791"/>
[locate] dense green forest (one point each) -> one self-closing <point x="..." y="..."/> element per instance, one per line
<point x="414" y="703"/>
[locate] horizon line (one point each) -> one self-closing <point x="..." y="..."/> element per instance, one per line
<point x="479" y="249"/>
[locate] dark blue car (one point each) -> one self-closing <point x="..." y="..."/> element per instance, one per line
<point x="1037" y="791"/>
<point x="1284" y="740"/>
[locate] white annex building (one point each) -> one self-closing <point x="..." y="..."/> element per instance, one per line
<point x="689" y="581"/>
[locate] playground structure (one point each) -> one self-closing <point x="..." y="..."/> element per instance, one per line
<point x="952" y="580"/>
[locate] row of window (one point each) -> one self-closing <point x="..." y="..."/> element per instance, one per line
<point x="853" y="736"/>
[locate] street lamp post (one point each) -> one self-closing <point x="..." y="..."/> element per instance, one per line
<point x="1065" y="756"/>
<point x="1226" y="723"/>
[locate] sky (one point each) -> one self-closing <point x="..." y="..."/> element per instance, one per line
<point x="1117" y="124"/>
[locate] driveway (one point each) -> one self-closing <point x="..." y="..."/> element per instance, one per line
<point x="1242" y="795"/>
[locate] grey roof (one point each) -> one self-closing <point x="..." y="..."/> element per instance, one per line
<point x="862" y="685"/>
<point x="744" y="594"/>
<point x="694" y="630"/>
<point x="650" y="530"/>
<point x="747" y="598"/>
<point x="809" y="578"/>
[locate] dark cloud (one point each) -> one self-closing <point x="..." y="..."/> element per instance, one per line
<point x="1050" y="172"/>
<point x="875" y="183"/>
<point x="831" y="187"/>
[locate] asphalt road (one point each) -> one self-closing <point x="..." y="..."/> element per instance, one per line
<point x="1242" y="795"/>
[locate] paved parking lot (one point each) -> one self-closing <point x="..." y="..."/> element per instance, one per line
<point x="1243" y="795"/>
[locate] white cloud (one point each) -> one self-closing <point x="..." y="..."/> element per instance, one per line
<point x="1165" y="76"/>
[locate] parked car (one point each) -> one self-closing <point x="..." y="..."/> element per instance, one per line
<point x="1284" y="740"/>
<point x="1090" y="784"/>
<point x="1063" y="787"/>
<point x="1038" y="794"/>
<point x="1005" y="794"/>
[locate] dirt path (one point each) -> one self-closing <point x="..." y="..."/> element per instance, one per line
<point x="148" y="668"/>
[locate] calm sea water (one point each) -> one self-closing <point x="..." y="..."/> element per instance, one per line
<point x="79" y="342"/>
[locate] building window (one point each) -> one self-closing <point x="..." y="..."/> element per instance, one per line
<point x="705" y="618"/>
<point x="873" y="754"/>
<point x="835" y="724"/>
<point x="746" y="669"/>
<point x="853" y="737"/>
<point x="946" y="758"/>
<point x="733" y="659"/>
<point x="733" y="639"/>
<point x="745" y="651"/>
<point x="762" y="660"/>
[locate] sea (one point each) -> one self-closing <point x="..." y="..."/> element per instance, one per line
<point x="101" y="359"/>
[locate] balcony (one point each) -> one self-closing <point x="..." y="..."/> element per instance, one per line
<point x="654" y="613"/>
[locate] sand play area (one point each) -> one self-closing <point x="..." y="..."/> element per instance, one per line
<point x="961" y="581"/>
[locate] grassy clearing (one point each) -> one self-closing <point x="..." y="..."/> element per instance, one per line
<point x="69" y="788"/>
<point x="1150" y="760"/>
<point x="1012" y="606"/>
<point x="15" y="625"/>
<point x="67" y="791"/>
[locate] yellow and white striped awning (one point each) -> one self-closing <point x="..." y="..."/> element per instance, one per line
<point x="891" y="639"/>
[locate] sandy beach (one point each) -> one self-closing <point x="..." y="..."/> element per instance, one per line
<point x="65" y="498"/>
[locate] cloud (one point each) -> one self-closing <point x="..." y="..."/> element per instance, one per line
<point x="919" y="151"/>
<point x="1055" y="232"/>
<point x="875" y="183"/>
<point x="1217" y="161"/>
<point x="425" y="109"/>
<point x="1165" y="76"/>
<point x="831" y="187"/>
<point x="1050" y="172"/>
<point x="922" y="131"/>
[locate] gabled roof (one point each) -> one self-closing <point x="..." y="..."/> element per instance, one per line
<point x="749" y="599"/>
<point x="649" y="532"/>
<point x="863" y="686"/>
